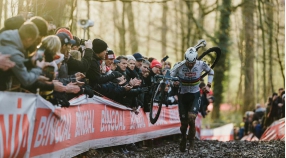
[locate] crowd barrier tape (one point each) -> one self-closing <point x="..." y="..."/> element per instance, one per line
<point x="276" y="131"/>
<point x="32" y="127"/>
<point x="223" y="133"/>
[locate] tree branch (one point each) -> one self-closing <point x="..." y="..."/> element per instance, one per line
<point x="202" y="29"/>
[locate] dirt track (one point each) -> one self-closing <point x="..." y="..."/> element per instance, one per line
<point x="203" y="149"/>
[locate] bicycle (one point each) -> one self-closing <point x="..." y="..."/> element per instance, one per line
<point x="159" y="94"/>
<point x="210" y="56"/>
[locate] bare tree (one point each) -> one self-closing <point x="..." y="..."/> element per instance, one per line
<point x="263" y="48"/>
<point x="20" y="6"/>
<point x="269" y="22"/>
<point x="164" y="29"/>
<point x="221" y="67"/>
<point x="120" y="26"/>
<point x="1" y="10"/>
<point x="132" y="30"/>
<point x="248" y="23"/>
<point x="73" y="5"/>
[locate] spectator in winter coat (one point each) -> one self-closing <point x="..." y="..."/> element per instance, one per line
<point x="94" y="74"/>
<point x="15" y="43"/>
<point x="5" y="62"/>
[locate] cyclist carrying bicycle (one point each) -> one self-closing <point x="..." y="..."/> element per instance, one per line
<point x="189" y="72"/>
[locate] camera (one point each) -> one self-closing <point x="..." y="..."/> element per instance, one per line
<point x="165" y="58"/>
<point x="40" y="53"/>
<point x="83" y="23"/>
<point x="49" y="72"/>
<point x="81" y="43"/>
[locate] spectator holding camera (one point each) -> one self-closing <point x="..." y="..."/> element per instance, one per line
<point x="15" y="43"/>
<point x="70" y="64"/>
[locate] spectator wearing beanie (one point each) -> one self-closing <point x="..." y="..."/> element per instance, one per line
<point x="74" y="65"/>
<point x="13" y="23"/>
<point x="109" y="57"/>
<point x="156" y="67"/>
<point x="42" y="26"/>
<point x="94" y="75"/>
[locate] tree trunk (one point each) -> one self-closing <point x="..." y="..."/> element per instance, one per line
<point x="277" y="43"/>
<point x="5" y="9"/>
<point x="183" y="34"/>
<point x="88" y="17"/>
<point x="248" y="22"/>
<point x="120" y="25"/>
<point x="149" y="31"/>
<point x="1" y="10"/>
<point x="269" y="21"/>
<point x="164" y="30"/>
<point x="189" y="15"/>
<point x="264" y="49"/>
<point x="72" y="19"/>
<point x="176" y="50"/>
<point x="52" y="8"/>
<point x="132" y="33"/>
<point x="219" y="70"/>
<point x="20" y="6"/>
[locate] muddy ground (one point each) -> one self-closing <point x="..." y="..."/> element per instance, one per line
<point x="169" y="148"/>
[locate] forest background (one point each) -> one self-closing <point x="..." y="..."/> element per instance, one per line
<point x="250" y="33"/>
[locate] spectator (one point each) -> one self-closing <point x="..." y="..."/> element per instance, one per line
<point x="5" y="62"/>
<point x="155" y="67"/>
<point x="13" y="23"/>
<point x="95" y="77"/>
<point x="241" y="130"/>
<point x="139" y="58"/>
<point x="15" y="43"/>
<point x="107" y="62"/>
<point x="257" y="129"/>
<point x="130" y="71"/>
<point x="259" y="113"/>
<point x="42" y="26"/>
<point x="167" y="64"/>
<point x="70" y="64"/>
<point x="278" y="101"/>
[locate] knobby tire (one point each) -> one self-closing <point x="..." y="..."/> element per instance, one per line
<point x="153" y="120"/>
<point x="218" y="53"/>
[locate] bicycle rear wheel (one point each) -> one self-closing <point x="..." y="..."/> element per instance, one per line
<point x="158" y="96"/>
<point x="211" y="57"/>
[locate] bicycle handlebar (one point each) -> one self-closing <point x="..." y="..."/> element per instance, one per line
<point x="167" y="77"/>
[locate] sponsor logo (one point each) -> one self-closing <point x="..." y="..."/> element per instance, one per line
<point x="112" y="120"/>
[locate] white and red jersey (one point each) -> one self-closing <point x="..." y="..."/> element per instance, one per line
<point x="190" y="79"/>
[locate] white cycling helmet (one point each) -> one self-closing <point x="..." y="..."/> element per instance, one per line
<point x="191" y="55"/>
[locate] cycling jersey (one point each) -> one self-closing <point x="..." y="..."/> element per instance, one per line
<point x="190" y="79"/>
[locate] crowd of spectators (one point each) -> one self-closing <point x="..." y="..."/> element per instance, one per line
<point x="57" y="65"/>
<point x="257" y="121"/>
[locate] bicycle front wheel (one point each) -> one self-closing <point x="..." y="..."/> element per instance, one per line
<point x="211" y="57"/>
<point x="158" y="96"/>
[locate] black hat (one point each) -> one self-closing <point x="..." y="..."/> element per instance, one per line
<point x="13" y="23"/>
<point x="98" y="46"/>
<point x="65" y="39"/>
<point x="41" y="24"/>
<point x="138" y="56"/>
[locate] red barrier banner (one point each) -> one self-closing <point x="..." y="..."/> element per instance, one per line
<point x="32" y="127"/>
<point x="276" y="131"/>
<point x="223" y="133"/>
<point x="16" y="123"/>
